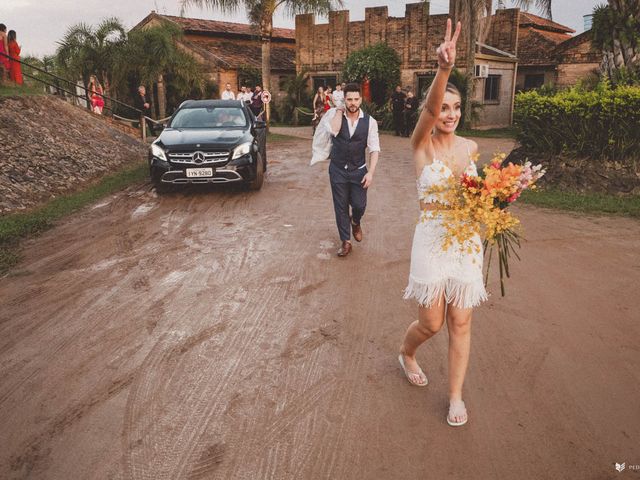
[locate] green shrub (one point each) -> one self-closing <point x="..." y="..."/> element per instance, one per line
<point x="286" y="113"/>
<point x="603" y="123"/>
<point x="291" y="108"/>
<point x="380" y="64"/>
<point x="382" y="114"/>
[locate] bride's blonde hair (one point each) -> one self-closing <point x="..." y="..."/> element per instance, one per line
<point x="451" y="88"/>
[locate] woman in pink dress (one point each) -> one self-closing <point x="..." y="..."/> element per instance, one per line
<point x="96" y="92"/>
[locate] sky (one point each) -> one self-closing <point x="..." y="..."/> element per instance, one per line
<point x="39" y="24"/>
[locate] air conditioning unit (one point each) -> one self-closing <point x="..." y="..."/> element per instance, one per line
<point x="482" y="71"/>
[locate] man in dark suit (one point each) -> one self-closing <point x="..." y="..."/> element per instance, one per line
<point x="397" y="106"/>
<point x="352" y="131"/>
<point x="410" y="113"/>
<point x="256" y="104"/>
<point x="141" y="102"/>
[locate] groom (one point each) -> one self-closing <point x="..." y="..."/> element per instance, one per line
<point x="352" y="132"/>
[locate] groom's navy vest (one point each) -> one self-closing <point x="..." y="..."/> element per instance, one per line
<point x="350" y="151"/>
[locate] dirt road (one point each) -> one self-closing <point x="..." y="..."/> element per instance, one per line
<point x="214" y="334"/>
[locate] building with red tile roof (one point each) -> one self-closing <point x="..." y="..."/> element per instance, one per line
<point x="548" y="54"/>
<point x="229" y="51"/>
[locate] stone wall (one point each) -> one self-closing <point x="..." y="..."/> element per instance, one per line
<point x="415" y="37"/>
<point x="51" y="147"/>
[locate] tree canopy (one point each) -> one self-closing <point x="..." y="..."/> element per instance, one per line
<point x="377" y="62"/>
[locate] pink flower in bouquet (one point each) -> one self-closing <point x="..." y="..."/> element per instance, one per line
<point x="529" y="175"/>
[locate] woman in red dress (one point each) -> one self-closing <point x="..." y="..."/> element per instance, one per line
<point x="96" y="92"/>
<point x="4" y="50"/>
<point x="328" y="99"/>
<point x="15" y="69"/>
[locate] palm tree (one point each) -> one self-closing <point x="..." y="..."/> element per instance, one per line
<point x="261" y="16"/>
<point x="152" y="54"/>
<point x="475" y="16"/>
<point x="297" y="94"/>
<point x="616" y="31"/>
<point x="85" y="50"/>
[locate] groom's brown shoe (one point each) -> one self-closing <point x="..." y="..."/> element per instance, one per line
<point x="357" y="232"/>
<point x="345" y="249"/>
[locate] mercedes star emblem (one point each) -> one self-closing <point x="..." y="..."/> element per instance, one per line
<point x="198" y="157"/>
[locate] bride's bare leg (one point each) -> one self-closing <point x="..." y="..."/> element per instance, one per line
<point x="459" y="326"/>
<point x="430" y="321"/>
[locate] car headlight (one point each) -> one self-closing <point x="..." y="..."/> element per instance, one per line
<point x="241" y="150"/>
<point x="157" y="151"/>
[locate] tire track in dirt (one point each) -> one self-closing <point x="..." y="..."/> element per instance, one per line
<point x="207" y="397"/>
<point x="253" y="440"/>
<point x="82" y="328"/>
<point x="201" y="401"/>
<point x="31" y="450"/>
<point x="284" y="281"/>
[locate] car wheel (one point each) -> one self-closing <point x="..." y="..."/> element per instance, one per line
<point x="256" y="183"/>
<point x="264" y="155"/>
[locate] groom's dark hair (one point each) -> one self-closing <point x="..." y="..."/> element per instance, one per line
<point x="352" y="87"/>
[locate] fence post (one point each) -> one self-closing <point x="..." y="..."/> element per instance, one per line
<point x="143" y="124"/>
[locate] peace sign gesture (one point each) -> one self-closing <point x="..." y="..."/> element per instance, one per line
<point x="447" y="49"/>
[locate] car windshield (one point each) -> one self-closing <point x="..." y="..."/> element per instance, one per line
<point x="209" y="117"/>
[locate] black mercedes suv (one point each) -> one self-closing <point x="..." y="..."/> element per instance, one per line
<point x="210" y="141"/>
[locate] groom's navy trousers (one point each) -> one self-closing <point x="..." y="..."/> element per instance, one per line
<point x="347" y="190"/>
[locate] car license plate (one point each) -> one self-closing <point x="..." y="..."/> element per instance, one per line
<point x="199" y="172"/>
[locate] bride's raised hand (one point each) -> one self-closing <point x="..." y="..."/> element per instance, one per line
<point x="447" y="49"/>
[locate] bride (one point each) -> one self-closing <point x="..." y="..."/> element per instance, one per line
<point x="446" y="284"/>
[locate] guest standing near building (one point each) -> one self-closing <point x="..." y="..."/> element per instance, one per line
<point x="4" y="50"/>
<point x="410" y="113"/>
<point x="15" y="69"/>
<point x="318" y="107"/>
<point x="141" y="102"/>
<point x="338" y="96"/>
<point x="248" y="94"/>
<point x="256" y="101"/>
<point x="228" y="94"/>
<point x="242" y="95"/>
<point x="328" y="99"/>
<point x="397" y="107"/>
<point x="95" y="95"/>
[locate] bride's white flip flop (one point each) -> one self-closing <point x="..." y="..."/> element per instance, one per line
<point x="420" y="373"/>
<point x="458" y="409"/>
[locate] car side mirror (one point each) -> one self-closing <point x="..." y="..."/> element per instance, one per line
<point x="259" y="124"/>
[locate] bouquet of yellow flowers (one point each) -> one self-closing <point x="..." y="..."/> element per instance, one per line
<point x="478" y="205"/>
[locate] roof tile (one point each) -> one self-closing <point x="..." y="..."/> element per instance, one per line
<point x="527" y="18"/>
<point x="215" y="26"/>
